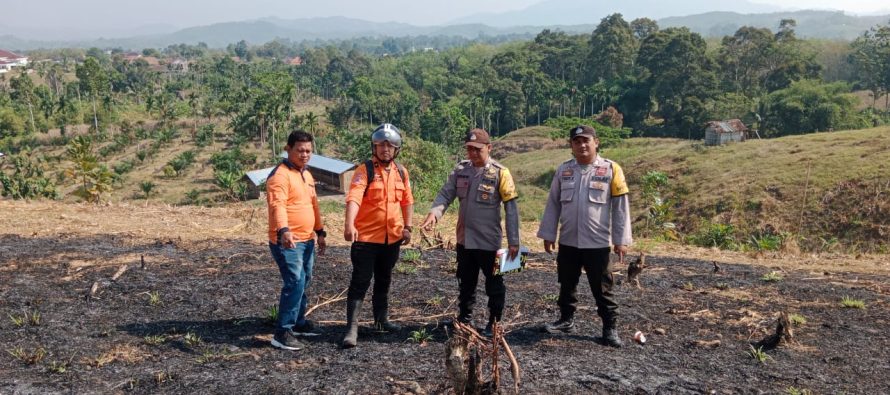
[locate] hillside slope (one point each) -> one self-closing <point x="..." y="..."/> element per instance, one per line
<point x="829" y="189"/>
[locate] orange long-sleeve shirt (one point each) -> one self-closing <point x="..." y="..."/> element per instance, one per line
<point x="293" y="203"/>
<point x="379" y="218"/>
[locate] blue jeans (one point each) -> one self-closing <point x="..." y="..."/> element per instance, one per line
<point x="295" y="265"/>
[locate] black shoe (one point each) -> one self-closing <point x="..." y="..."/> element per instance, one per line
<point x="287" y="341"/>
<point x="386" y="326"/>
<point x="561" y="326"/>
<point x="610" y="337"/>
<point x="307" y="329"/>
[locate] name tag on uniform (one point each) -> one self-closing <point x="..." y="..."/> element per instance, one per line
<point x="598" y="185"/>
<point x="601" y="171"/>
<point x="567" y="173"/>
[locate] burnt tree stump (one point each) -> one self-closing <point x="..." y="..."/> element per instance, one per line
<point x="782" y="335"/>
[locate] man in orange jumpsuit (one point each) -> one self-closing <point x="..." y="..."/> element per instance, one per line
<point x="378" y="221"/>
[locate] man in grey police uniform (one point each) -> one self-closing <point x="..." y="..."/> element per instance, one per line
<point x="481" y="185"/>
<point x="589" y="201"/>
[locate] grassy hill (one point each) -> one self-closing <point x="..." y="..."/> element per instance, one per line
<point x="823" y="191"/>
<point x="826" y="189"/>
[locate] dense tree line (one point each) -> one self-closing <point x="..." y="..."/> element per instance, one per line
<point x="665" y="82"/>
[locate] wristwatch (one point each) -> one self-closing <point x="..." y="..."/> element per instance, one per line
<point x="321" y="233"/>
<point x="408" y="228"/>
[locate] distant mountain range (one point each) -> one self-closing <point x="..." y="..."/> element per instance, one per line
<point x="818" y="24"/>
<point x="815" y="24"/>
<point x="220" y="35"/>
<point x="572" y="12"/>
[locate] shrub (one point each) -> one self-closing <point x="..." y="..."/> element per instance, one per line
<point x="205" y="135"/>
<point x="420" y="336"/>
<point x="28" y="181"/>
<point x="608" y="136"/>
<point x="181" y="162"/>
<point x="659" y="213"/>
<point x="767" y="240"/>
<point x="10" y="123"/>
<point x="810" y="106"/>
<point x="714" y="235"/>
<point x="123" y="167"/>
<point x="232" y="161"/>
<point x="428" y="166"/>
<point x="147" y="188"/>
<point x="167" y="135"/>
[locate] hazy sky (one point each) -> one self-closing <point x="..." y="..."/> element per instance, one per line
<point x="184" y="13"/>
<point x="856" y="6"/>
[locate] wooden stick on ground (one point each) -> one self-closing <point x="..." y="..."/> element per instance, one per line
<point x="93" y="290"/>
<point x="337" y="298"/>
<point x="514" y="364"/>
<point x="119" y="272"/>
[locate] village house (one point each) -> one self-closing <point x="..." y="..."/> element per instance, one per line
<point x="331" y="174"/>
<point x="722" y="132"/>
<point x="9" y="59"/>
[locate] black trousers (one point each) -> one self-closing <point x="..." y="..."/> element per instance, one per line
<point x="595" y="262"/>
<point x="469" y="263"/>
<point x="373" y="260"/>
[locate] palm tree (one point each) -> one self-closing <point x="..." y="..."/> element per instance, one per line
<point x="311" y="121"/>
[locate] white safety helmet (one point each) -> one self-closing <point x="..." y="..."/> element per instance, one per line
<point x="387" y="132"/>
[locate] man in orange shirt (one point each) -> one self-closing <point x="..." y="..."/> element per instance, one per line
<point x="293" y="219"/>
<point x="378" y="221"/>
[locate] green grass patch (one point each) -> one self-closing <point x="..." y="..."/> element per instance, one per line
<point x="758" y="354"/>
<point x="772" y="277"/>
<point x="852" y="303"/>
<point x="420" y="336"/>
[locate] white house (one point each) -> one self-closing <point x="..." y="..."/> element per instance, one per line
<point x="8" y="60"/>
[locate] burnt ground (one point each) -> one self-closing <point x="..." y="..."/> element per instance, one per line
<point x="208" y="332"/>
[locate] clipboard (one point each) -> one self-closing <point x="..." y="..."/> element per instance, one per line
<point x="505" y="266"/>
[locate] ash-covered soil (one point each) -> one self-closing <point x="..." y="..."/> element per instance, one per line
<point x="192" y="319"/>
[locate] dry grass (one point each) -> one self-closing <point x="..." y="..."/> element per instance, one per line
<point x="152" y="221"/>
<point x="126" y="353"/>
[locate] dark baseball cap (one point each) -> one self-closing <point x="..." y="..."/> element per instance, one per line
<point x="582" y="130"/>
<point x="477" y="138"/>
